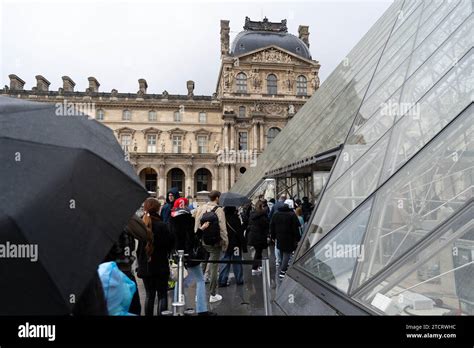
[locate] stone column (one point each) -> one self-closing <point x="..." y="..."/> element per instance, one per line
<point x="226" y="137"/>
<point x="161" y="181"/>
<point x="262" y="137"/>
<point x="189" y="181"/>
<point x="255" y="137"/>
<point x="226" y="178"/>
<point x="232" y="136"/>
<point x="215" y="177"/>
<point x="232" y="176"/>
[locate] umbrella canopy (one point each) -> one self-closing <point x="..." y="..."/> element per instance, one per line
<point x="231" y="199"/>
<point x="67" y="192"/>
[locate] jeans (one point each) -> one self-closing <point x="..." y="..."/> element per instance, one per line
<point x="285" y="260"/>
<point x="224" y="268"/>
<point x="277" y="255"/>
<point x="195" y="274"/>
<point x="214" y="254"/>
<point x="155" y="285"/>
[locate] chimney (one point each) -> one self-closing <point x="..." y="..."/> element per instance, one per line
<point x="142" y="85"/>
<point x="225" y="29"/>
<point x="303" y="31"/>
<point x="16" y="82"/>
<point x="190" y="87"/>
<point x="93" y="85"/>
<point x="42" y="85"/>
<point x="68" y="84"/>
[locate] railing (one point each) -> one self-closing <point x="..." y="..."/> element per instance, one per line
<point x="180" y="301"/>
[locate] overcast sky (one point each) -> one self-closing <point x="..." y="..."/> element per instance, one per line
<point x="165" y="42"/>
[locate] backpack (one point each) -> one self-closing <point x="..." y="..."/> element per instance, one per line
<point x="212" y="234"/>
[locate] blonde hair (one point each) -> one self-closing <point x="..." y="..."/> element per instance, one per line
<point x="299" y="211"/>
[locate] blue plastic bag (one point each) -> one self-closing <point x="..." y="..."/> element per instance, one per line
<point x="118" y="288"/>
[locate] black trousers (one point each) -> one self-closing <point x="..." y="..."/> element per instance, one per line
<point x="257" y="258"/>
<point x="154" y="286"/>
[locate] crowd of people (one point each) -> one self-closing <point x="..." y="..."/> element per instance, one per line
<point x="208" y="232"/>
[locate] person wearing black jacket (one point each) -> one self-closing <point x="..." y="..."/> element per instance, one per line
<point x="237" y="245"/>
<point x="153" y="258"/>
<point x="258" y="234"/>
<point x="182" y="227"/>
<point x="284" y="228"/>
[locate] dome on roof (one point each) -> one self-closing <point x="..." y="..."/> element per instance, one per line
<point x="262" y="34"/>
<point x="248" y="41"/>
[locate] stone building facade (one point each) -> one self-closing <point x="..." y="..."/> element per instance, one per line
<point x="200" y="143"/>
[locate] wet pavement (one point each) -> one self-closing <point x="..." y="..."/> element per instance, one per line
<point x="246" y="299"/>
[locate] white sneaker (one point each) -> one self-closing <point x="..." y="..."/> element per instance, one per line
<point x="256" y="271"/>
<point x="215" y="298"/>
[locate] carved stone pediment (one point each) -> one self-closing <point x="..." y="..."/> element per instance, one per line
<point x="177" y="131"/>
<point x="202" y="131"/>
<point x="125" y="130"/>
<point x="151" y="130"/>
<point x="270" y="55"/>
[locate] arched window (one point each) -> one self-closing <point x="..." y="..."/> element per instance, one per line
<point x="203" y="180"/>
<point x="126" y="115"/>
<point x="301" y="85"/>
<point x="272" y="87"/>
<point x="241" y="111"/>
<point x="272" y="133"/>
<point x="100" y="115"/>
<point x="241" y="83"/>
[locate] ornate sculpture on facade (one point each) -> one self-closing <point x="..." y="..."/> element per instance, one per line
<point x="114" y="93"/>
<point x="273" y="109"/>
<point x="255" y="79"/>
<point x="272" y="56"/>
<point x="216" y="146"/>
<point x="290" y="79"/>
<point x="256" y="107"/>
<point x="291" y="109"/>
<point x="165" y="94"/>
<point x="315" y="81"/>
<point x="162" y="146"/>
<point x="190" y="146"/>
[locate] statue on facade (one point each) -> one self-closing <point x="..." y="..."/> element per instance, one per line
<point x="291" y="109"/>
<point x="162" y="146"/>
<point x="290" y="80"/>
<point x="165" y="94"/>
<point x="315" y="82"/>
<point x="216" y="146"/>
<point x="190" y="146"/>
<point x="255" y="79"/>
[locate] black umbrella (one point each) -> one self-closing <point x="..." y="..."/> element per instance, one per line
<point x="66" y="191"/>
<point x="230" y="199"/>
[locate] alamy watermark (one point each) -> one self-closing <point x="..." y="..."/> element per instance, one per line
<point x="227" y="156"/>
<point x="399" y="109"/>
<point x="350" y="251"/>
<point x="67" y="108"/>
<point x="19" y="251"/>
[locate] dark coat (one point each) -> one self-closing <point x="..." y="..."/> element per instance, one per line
<point x="182" y="227"/>
<point x="284" y="227"/>
<point x="275" y="208"/>
<point x="258" y="229"/>
<point x="163" y="244"/>
<point x="235" y="232"/>
<point x="166" y="210"/>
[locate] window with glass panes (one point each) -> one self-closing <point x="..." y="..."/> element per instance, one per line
<point x="202" y="144"/>
<point x="152" y="116"/>
<point x="202" y="117"/>
<point x="126" y="115"/>
<point x="241" y="83"/>
<point x="177" y="143"/>
<point x="100" y="115"/>
<point x="241" y="111"/>
<point x="301" y="85"/>
<point x="177" y="116"/>
<point x="243" y="140"/>
<point x="272" y="87"/>
<point x="125" y="141"/>
<point x="151" y="143"/>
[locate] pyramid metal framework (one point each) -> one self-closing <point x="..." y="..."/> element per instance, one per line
<point x="393" y="231"/>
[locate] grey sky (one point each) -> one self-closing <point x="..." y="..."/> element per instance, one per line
<point x="165" y="42"/>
